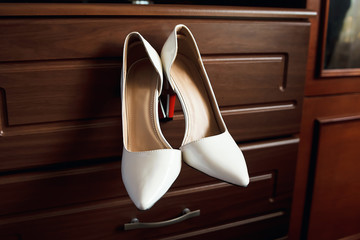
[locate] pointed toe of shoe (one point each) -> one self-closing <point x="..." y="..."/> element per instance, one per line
<point x="218" y="156"/>
<point x="241" y="179"/>
<point x="148" y="175"/>
<point x="144" y="202"/>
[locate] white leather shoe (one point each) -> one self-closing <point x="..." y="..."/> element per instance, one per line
<point x="149" y="164"/>
<point x="207" y="144"/>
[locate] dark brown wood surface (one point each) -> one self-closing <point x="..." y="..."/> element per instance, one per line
<point x="328" y="97"/>
<point x="105" y="219"/>
<point x="94" y="37"/>
<point x="73" y="100"/>
<point x="23" y="192"/>
<point x="43" y="92"/>
<point x="60" y="125"/>
<point x="334" y="208"/>
<point x="271" y="184"/>
<point x="41" y="9"/>
<point x="272" y="225"/>
<point x="331" y="107"/>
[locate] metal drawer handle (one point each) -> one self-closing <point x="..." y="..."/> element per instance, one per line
<point x="186" y="214"/>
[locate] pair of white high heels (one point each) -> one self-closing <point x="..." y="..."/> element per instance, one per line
<point x="149" y="164"/>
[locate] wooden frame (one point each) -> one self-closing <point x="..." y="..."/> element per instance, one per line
<point x="343" y="72"/>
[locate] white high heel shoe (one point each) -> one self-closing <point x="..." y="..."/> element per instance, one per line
<point x="207" y="144"/>
<point x="149" y="164"/>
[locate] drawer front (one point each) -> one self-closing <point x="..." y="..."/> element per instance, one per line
<point x="273" y="226"/>
<point x="41" y="190"/>
<point x="106" y="219"/>
<point x="271" y="165"/>
<point x="90" y="37"/>
<point x="70" y="95"/>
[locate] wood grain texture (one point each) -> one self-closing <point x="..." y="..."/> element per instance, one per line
<point x="60" y="126"/>
<point x="316" y="108"/>
<point x="320" y="104"/>
<point x="80" y="89"/>
<point x="105" y="219"/>
<point x="263" y="156"/>
<point x="69" y="144"/>
<point x="272" y="225"/>
<point x="334" y="209"/>
<point x="49" y="107"/>
<point x="70" y="38"/>
<point x="8" y="9"/>
<point x="44" y="92"/>
<point x="246" y="124"/>
<point x="255" y="78"/>
<point x="23" y="192"/>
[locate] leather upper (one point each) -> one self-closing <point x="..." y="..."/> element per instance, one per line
<point x="217" y="155"/>
<point x="147" y="175"/>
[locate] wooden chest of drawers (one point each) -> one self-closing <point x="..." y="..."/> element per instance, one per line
<point x="60" y="124"/>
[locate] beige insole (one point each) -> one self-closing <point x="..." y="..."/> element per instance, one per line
<point x="201" y="118"/>
<point x="141" y="96"/>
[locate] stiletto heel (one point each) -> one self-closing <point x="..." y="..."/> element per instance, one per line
<point x="149" y="164"/>
<point x="207" y="144"/>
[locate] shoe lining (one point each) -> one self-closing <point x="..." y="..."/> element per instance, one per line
<point x="201" y="116"/>
<point x="141" y="97"/>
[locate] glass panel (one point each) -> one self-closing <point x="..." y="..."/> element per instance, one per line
<point x="343" y="35"/>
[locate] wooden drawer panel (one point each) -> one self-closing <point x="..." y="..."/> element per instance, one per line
<point x="60" y="123"/>
<point x="41" y="190"/>
<point x="274" y="160"/>
<point x="278" y="156"/>
<point x="103" y="37"/>
<point x="259" y="125"/>
<point x="51" y="97"/>
<point x="256" y="97"/>
<point x="269" y="226"/>
<point x="252" y="79"/>
<point x="29" y="146"/>
<point x="105" y="220"/>
<point x="68" y="109"/>
<point x="60" y="91"/>
<point x="245" y="125"/>
<point x="72" y="90"/>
